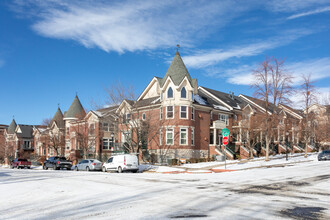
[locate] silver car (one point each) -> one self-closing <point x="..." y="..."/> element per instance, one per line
<point x="88" y="165"/>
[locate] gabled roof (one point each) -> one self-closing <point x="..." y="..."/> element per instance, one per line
<point x="26" y="131"/>
<point x="228" y="100"/>
<point x="146" y="102"/>
<point x="58" y="118"/>
<point x="75" y="110"/>
<point x="261" y="104"/>
<point x="177" y="71"/>
<point x="12" y="127"/>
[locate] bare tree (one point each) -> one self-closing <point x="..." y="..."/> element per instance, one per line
<point x="308" y="92"/>
<point x="46" y="121"/>
<point x="272" y="85"/>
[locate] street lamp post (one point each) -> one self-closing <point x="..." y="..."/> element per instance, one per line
<point x="286" y="145"/>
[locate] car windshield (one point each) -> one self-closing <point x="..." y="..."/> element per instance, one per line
<point x="22" y="160"/>
<point x="96" y="161"/>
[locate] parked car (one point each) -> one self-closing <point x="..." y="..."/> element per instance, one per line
<point x="121" y="163"/>
<point x="88" y="164"/>
<point x="324" y="155"/>
<point x="20" y="163"/>
<point x="57" y="163"/>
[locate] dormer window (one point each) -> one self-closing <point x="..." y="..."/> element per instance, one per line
<point x="170" y="93"/>
<point x="183" y="93"/>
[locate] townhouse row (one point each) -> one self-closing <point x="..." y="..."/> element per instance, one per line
<point x="173" y="117"/>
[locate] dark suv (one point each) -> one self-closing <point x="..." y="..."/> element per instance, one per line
<point x="57" y="163"/>
<point x="324" y="155"/>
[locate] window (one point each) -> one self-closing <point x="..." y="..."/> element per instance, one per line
<point x="144" y="116"/>
<point x="170" y="93"/>
<point x="105" y="127"/>
<point x="26" y="144"/>
<point x="160" y="137"/>
<point x="67" y="130"/>
<point x="183" y="112"/>
<point x="169" y="136"/>
<point x="161" y="113"/>
<point x="170" y="112"/>
<point x="211" y="115"/>
<point x="192" y="113"/>
<point x="183" y="93"/>
<point x="223" y="118"/>
<point x="183" y="136"/>
<point x="128" y="117"/>
<point x="91" y="129"/>
<point x="192" y="136"/>
<point x="107" y="144"/>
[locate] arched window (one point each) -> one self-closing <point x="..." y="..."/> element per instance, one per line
<point x="170" y="93"/>
<point x="183" y="93"/>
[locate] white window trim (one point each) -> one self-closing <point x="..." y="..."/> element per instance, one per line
<point x="187" y="139"/>
<point x="167" y="93"/>
<point x="172" y="136"/>
<point x="187" y="93"/>
<point x="192" y="113"/>
<point x="161" y="113"/>
<point x="160" y="137"/>
<point x="192" y="140"/>
<point x="187" y="117"/>
<point x="143" y="116"/>
<point x="173" y="112"/>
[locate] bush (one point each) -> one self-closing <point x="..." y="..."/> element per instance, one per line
<point x="174" y="162"/>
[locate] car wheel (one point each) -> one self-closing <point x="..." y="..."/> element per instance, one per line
<point x="54" y="167"/>
<point x="87" y="169"/>
<point x="76" y="168"/>
<point x="134" y="171"/>
<point x="103" y="169"/>
<point x="12" y="167"/>
<point x="120" y="170"/>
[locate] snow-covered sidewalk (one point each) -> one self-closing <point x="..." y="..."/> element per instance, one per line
<point x="231" y="165"/>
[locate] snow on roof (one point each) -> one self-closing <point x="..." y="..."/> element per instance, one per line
<point x="220" y="107"/>
<point x="200" y="100"/>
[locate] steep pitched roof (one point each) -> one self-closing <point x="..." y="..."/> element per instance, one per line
<point x="75" y="110"/>
<point x="12" y="127"/>
<point x="262" y="104"/>
<point x="233" y="101"/>
<point x="146" y="102"/>
<point x="177" y="71"/>
<point x="58" y="118"/>
<point x="27" y="131"/>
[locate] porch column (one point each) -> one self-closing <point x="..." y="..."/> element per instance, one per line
<point x="215" y="137"/>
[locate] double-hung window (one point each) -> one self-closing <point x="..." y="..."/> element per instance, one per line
<point x="160" y="137"/>
<point x="170" y="111"/>
<point x="192" y="136"/>
<point x="169" y="136"/>
<point x="223" y="118"/>
<point x="192" y="113"/>
<point x="183" y="136"/>
<point x="183" y="112"/>
<point x="105" y="126"/>
<point x="161" y="113"/>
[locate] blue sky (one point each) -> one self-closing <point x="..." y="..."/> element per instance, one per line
<point x="49" y="50"/>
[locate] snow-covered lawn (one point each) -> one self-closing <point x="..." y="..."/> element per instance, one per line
<point x="296" y="190"/>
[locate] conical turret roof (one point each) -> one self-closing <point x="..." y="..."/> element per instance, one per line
<point x="58" y="118"/>
<point x="76" y="110"/>
<point x="177" y="71"/>
<point x="12" y="127"/>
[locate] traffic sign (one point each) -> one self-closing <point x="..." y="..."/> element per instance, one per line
<point x="225" y="132"/>
<point x="225" y="140"/>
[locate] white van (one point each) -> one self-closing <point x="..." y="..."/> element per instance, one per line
<point x="120" y="163"/>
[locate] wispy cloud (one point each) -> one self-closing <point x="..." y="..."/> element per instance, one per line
<point x="131" y="25"/>
<point x="322" y="94"/>
<point x="318" y="68"/>
<point x="312" y="12"/>
<point x="207" y="58"/>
